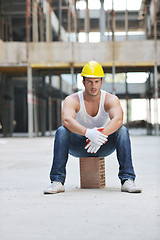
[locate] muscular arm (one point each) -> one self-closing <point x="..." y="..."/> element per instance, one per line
<point x="115" y="113"/>
<point x="69" y="116"/>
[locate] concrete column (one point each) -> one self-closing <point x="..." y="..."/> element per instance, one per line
<point x="149" y="128"/>
<point x="10" y="25"/>
<point x="30" y="101"/>
<point x="54" y="113"/>
<point x="113" y="49"/>
<point x="108" y="23"/>
<point x="155" y="72"/>
<point x="145" y="22"/>
<point x="2" y="28"/>
<point x="156" y="121"/>
<point x="75" y="21"/>
<point x="28" y="15"/>
<point x="60" y="19"/>
<point x="7" y="107"/>
<point x="102" y="21"/>
<point x="126" y="21"/>
<point x="50" y="106"/>
<point x="127" y="105"/>
<point x="6" y="31"/>
<point x="113" y="22"/>
<point x="48" y="21"/>
<point x="113" y="74"/>
<point x="58" y="113"/>
<point x="86" y="22"/>
<point x="72" y="74"/>
<point x="35" y="108"/>
<point x="34" y="21"/>
<point x="41" y="22"/>
<point x="69" y="22"/>
<point x="42" y="106"/>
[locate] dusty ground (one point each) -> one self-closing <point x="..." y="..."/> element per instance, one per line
<point x="94" y="214"/>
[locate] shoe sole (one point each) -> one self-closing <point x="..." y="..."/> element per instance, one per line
<point x="135" y="191"/>
<point x="51" y="192"/>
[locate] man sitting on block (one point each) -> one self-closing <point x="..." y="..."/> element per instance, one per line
<point x="92" y="126"/>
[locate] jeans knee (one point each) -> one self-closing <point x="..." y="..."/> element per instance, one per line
<point x="123" y="131"/>
<point x="62" y="132"/>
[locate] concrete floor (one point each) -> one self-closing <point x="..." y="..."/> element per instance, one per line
<point x="94" y="214"/>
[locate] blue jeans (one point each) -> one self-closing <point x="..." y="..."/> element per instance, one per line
<point x="67" y="142"/>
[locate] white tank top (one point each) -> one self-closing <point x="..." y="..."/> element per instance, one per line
<point x="100" y="120"/>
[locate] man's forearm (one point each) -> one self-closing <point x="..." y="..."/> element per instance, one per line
<point x="112" y="126"/>
<point x="72" y="125"/>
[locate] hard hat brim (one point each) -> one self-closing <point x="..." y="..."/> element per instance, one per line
<point x="91" y="76"/>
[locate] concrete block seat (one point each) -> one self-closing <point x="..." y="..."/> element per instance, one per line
<point x="92" y="172"/>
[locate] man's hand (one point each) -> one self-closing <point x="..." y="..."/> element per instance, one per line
<point x="92" y="147"/>
<point x="95" y="135"/>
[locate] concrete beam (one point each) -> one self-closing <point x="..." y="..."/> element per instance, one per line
<point x="63" y="54"/>
<point x="48" y="53"/>
<point x="13" y="52"/>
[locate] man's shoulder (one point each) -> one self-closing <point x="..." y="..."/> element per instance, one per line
<point x="111" y="100"/>
<point x="73" y="97"/>
<point x="110" y="96"/>
<point x="72" y="100"/>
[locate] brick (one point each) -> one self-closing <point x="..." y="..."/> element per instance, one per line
<point x="92" y="172"/>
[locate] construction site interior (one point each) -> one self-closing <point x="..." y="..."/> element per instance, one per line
<point x="45" y="43"/>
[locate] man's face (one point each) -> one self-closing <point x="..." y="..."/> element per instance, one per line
<point x="92" y="85"/>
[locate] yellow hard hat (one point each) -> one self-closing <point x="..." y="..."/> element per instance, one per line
<point x="92" y="69"/>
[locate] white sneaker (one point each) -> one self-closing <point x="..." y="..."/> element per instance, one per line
<point x="56" y="187"/>
<point x="130" y="187"/>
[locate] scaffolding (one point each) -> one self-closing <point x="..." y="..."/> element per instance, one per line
<point x="45" y="44"/>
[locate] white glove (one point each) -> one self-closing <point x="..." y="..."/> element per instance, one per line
<point x="92" y="147"/>
<point x="95" y="135"/>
